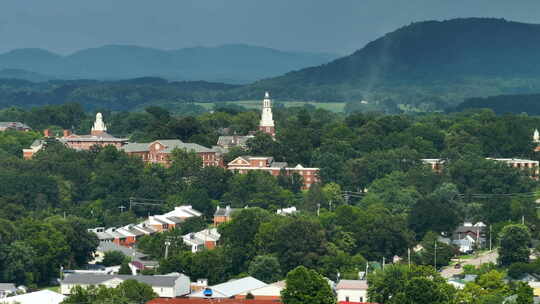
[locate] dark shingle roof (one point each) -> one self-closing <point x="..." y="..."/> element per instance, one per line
<point x="96" y="279"/>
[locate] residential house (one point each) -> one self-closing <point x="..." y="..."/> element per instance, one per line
<point x="352" y="291"/>
<point x="231" y="289"/>
<point x="44" y="296"/>
<point x="36" y="146"/>
<point x="13" y="126"/>
<point x="159" y="151"/>
<point x="7" y="289"/>
<point x="139" y="260"/>
<point x="436" y="164"/>
<point x="269" y="292"/>
<point x="205" y="239"/>
<point x="471" y="234"/>
<point x="223" y="215"/>
<point x="165" y="286"/>
<point x="243" y="164"/>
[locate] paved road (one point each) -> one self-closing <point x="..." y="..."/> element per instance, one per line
<point x="486" y="257"/>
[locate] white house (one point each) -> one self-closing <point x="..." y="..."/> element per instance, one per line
<point x="165" y="286"/>
<point x="353" y="291"/>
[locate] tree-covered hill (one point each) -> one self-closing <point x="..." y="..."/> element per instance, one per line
<point x="449" y="59"/>
<point x="233" y="63"/>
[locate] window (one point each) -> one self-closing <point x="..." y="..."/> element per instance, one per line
<point x="347" y="299"/>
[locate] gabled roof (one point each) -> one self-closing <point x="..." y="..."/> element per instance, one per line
<point x="352" y="284"/>
<point x="110" y="246"/>
<point x="44" y="296"/>
<point x="103" y="137"/>
<point x="8" y="286"/>
<point x="227" y="211"/>
<point x="232" y="288"/>
<point x="97" y="279"/>
<point x="13" y="125"/>
<point x="135" y="147"/>
<point x="240" y="160"/>
<point x="172" y="144"/>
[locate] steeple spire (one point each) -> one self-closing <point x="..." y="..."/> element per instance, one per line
<point x="536" y="136"/>
<point x="267" y="121"/>
<point x="99" y="126"/>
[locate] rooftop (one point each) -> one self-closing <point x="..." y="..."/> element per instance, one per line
<point x="352" y="284"/>
<point x="232" y="288"/>
<point x="96" y="279"/>
<point x="44" y="296"/>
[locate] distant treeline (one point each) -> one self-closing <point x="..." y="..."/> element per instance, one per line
<point x="502" y="104"/>
<point x="122" y="95"/>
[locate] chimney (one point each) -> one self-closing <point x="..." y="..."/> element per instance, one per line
<point x="47" y="133"/>
<point x="67" y="133"/>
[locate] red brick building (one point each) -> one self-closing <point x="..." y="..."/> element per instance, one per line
<point x="243" y="164"/>
<point x="159" y="151"/>
<point x="97" y="137"/>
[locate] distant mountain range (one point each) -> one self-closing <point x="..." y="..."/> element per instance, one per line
<point x="425" y="66"/>
<point x="443" y="61"/>
<point x="235" y="63"/>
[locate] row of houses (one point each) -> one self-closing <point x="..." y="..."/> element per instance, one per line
<point x="129" y="234"/>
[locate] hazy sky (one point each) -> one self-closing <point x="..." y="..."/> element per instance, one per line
<point x="338" y="26"/>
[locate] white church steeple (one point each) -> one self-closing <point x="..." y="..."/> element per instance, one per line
<point x="99" y="126"/>
<point x="536" y="136"/>
<point x="267" y="121"/>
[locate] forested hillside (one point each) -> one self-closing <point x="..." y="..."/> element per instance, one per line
<point x="425" y="62"/>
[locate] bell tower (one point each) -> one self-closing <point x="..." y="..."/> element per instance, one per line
<point x="267" y="121"/>
<point x="99" y="126"/>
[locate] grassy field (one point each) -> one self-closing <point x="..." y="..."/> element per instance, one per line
<point x="255" y="104"/>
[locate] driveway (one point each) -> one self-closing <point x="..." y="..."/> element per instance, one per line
<point x="486" y="257"/>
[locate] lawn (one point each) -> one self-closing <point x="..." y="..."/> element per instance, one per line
<point x="255" y="104"/>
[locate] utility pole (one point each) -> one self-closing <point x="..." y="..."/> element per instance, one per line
<point x="167" y="244"/>
<point x="409" y="257"/>
<point x="383" y="262"/>
<point x="490" y="237"/>
<point x="435" y="258"/>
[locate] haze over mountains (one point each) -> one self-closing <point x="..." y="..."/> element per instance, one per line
<point x="234" y="63"/>
<point x="429" y="65"/>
